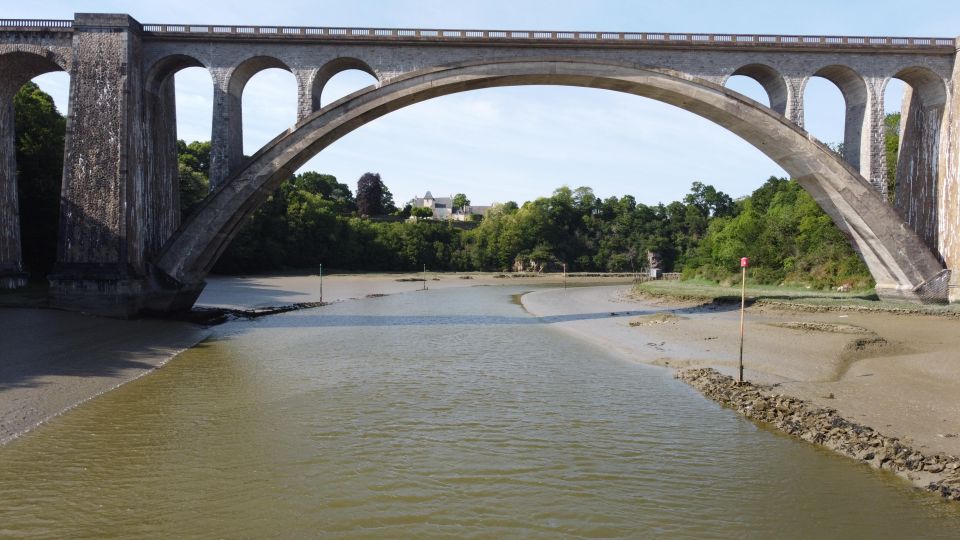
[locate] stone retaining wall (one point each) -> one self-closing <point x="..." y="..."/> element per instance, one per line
<point x="938" y="472"/>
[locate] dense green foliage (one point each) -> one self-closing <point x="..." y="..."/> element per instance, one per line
<point x="40" y="131"/>
<point x="313" y="219"/>
<point x="788" y="238"/>
<point x="891" y="144"/>
<point x="193" y="164"/>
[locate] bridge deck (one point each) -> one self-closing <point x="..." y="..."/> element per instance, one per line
<point x="510" y="37"/>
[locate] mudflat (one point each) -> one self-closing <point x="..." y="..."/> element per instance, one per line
<point x="52" y="361"/>
<point x="899" y="374"/>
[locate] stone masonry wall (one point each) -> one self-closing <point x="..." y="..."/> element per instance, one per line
<point x="948" y="184"/>
<point x="917" y="167"/>
<point x="93" y="217"/>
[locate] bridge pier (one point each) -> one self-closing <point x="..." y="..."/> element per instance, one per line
<point x="948" y="184"/>
<point x="873" y="160"/>
<point x="226" y="150"/>
<point x="12" y="275"/>
<point x="100" y="264"/>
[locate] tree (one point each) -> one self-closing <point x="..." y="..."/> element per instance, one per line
<point x="40" y="132"/>
<point x="710" y="201"/>
<point x="421" y="212"/>
<point x="386" y="201"/>
<point x="327" y="186"/>
<point x="370" y="197"/>
<point x="891" y="145"/>
<point x="460" y="201"/>
<point x="193" y="164"/>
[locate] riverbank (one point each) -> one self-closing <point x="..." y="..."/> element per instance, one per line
<point x="896" y="373"/>
<point x="54" y="361"/>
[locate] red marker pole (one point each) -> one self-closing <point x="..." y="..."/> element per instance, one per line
<point x="744" y="263"/>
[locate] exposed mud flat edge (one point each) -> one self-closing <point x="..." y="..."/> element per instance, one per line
<point x="117" y="382"/>
<point x="938" y="472"/>
<point x="213" y="316"/>
<point x="796" y="305"/>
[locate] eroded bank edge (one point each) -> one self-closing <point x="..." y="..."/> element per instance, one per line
<point x="939" y="472"/>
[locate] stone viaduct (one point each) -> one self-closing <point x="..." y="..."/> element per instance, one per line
<point x="123" y="251"/>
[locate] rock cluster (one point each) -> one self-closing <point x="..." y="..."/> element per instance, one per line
<point x="823" y="426"/>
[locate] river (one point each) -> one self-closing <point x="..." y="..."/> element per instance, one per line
<point x="442" y="413"/>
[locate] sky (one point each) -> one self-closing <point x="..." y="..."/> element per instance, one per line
<point x="522" y="143"/>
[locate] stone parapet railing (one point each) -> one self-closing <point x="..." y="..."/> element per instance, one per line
<point x="645" y="39"/>
<point x="580" y="38"/>
<point x="35" y="24"/>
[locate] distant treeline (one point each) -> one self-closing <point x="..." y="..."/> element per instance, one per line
<point x="313" y="219"/>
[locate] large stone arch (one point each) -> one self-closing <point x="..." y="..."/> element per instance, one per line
<point x="18" y="65"/>
<point x="901" y="265"/>
<point x="854" y="90"/>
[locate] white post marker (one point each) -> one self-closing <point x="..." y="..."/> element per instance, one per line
<point x="564" y="275"/>
<point x="424" y="277"/>
<point x="321" y="283"/>
<point x="744" y="263"/>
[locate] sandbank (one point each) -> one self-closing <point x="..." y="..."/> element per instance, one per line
<point x="899" y="374"/>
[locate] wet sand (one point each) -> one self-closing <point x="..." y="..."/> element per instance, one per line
<point x="53" y="361"/>
<point x="898" y="374"/>
<point x="267" y="291"/>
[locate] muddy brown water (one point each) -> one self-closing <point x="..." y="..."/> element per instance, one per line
<point x="448" y="413"/>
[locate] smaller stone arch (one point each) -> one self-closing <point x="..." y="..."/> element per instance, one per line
<point x="18" y="65"/>
<point x="771" y="80"/>
<point x="245" y="71"/>
<point x="929" y="87"/>
<point x="227" y="137"/>
<point x="853" y="87"/>
<point x="331" y="69"/>
<point x="24" y="63"/>
<point x="166" y="67"/>
<point x="161" y="189"/>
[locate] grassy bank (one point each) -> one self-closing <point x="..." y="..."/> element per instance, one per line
<point x="787" y="297"/>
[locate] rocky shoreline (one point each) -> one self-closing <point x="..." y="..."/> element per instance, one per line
<point x="823" y="426"/>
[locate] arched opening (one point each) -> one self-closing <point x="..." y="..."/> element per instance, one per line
<point x="823" y="112"/>
<point x="341" y="77"/>
<point x="772" y="83"/>
<point x="833" y="107"/>
<point x="872" y="226"/>
<point x="194" y="104"/>
<point x="835" y="101"/>
<point x="749" y="87"/>
<point x="174" y="181"/>
<point x="893" y="94"/>
<point x="32" y="135"/>
<point x="915" y="180"/>
<point x="269" y="100"/>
